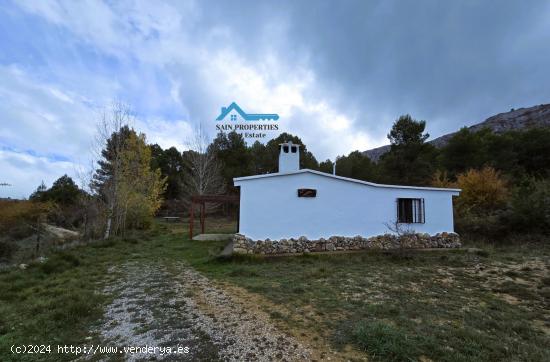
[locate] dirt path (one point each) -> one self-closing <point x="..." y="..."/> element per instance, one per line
<point x="176" y="306"/>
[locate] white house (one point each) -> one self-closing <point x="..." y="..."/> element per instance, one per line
<point x="301" y="202"/>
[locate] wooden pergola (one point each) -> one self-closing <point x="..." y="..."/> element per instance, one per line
<point x="202" y="200"/>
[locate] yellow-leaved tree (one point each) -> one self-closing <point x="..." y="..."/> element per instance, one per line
<point x="482" y="201"/>
<point x="482" y="190"/>
<point x="139" y="187"/>
<point x="441" y="179"/>
<point x="127" y="188"/>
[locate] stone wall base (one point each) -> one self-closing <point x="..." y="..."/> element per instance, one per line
<point x="245" y="245"/>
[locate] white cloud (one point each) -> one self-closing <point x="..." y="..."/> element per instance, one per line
<point x="42" y="124"/>
<point x="274" y="84"/>
<point x="94" y="21"/>
<point x="327" y="131"/>
<point x="156" y="58"/>
<point x="151" y="31"/>
<point x="166" y="133"/>
<point x="24" y="172"/>
<point x="40" y="117"/>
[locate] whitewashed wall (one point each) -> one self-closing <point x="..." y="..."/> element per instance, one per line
<point x="270" y="208"/>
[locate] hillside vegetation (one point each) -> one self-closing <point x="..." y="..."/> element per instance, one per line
<point x="515" y="120"/>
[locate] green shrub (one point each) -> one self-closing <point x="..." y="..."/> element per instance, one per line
<point x="59" y="263"/>
<point x="482" y="224"/>
<point x="7" y="249"/>
<point x="75" y="307"/>
<point x="241" y="258"/>
<point x="483" y="253"/>
<point x="243" y="272"/>
<point x="19" y="231"/>
<point x="298" y="290"/>
<point x="3" y="326"/>
<point x="130" y="239"/>
<point x="156" y="231"/>
<point x="276" y="315"/>
<point x="384" y="342"/>
<point x="530" y="206"/>
<point x="517" y="290"/>
<point x="104" y="243"/>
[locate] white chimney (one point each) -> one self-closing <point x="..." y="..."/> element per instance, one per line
<point x="289" y="157"/>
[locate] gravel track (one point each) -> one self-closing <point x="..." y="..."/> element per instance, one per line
<point x="171" y="306"/>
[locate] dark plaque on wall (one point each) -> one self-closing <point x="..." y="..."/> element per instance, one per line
<point x="307" y="192"/>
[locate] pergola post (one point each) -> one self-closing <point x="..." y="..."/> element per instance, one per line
<point x="191" y="220"/>
<point x="202" y="200"/>
<point x="203" y="212"/>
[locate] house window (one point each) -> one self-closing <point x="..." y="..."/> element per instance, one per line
<point x="233" y="117"/>
<point x="410" y="211"/>
<point x="285" y="149"/>
<point x="293" y="149"/>
<point x="307" y="192"/>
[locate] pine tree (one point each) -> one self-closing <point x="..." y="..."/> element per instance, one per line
<point x="410" y="160"/>
<point x="37" y="195"/>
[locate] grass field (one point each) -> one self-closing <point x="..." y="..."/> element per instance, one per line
<point x="446" y="305"/>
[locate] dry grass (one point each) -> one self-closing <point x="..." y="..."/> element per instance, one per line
<point x="450" y="306"/>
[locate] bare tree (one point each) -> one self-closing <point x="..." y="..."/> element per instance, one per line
<point x="90" y="205"/>
<point x="108" y="150"/>
<point x="402" y="231"/>
<point x="205" y="170"/>
<point x="398" y="228"/>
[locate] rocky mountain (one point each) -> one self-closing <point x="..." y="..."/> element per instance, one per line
<point x="516" y="119"/>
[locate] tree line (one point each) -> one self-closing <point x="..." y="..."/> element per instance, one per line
<point x="504" y="177"/>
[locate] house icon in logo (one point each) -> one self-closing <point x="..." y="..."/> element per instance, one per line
<point x="235" y="113"/>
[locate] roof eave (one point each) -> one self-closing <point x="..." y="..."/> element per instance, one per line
<point x="254" y="177"/>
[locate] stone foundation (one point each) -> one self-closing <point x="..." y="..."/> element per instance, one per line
<point x="244" y="245"/>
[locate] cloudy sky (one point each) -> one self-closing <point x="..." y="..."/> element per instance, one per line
<point x="337" y="72"/>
